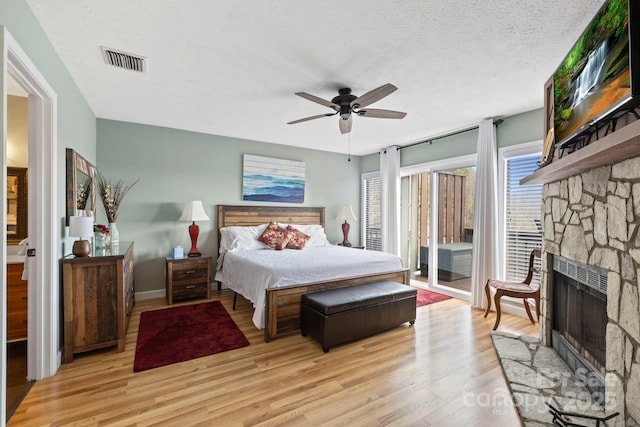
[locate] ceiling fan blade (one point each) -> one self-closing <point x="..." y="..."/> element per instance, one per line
<point x="318" y="100"/>
<point x="311" y="118"/>
<point x="381" y="114"/>
<point x="374" y="95"/>
<point x="345" y="125"/>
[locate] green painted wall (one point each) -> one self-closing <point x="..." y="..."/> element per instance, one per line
<point x="175" y="166"/>
<point x="513" y="130"/>
<point x="525" y="127"/>
<point x="76" y="125"/>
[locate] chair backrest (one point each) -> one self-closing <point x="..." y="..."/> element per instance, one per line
<point x="536" y="253"/>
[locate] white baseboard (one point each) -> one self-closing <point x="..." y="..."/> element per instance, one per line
<point x="157" y="294"/>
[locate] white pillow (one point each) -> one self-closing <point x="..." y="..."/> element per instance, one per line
<point x="241" y="238"/>
<point x="316" y="234"/>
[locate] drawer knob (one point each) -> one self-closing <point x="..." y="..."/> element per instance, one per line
<point x="190" y="286"/>
<point x="189" y="271"/>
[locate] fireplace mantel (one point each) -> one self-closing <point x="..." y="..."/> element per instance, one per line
<point x="613" y="148"/>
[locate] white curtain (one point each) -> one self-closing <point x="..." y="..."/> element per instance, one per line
<point x="390" y="200"/>
<point x="485" y="235"/>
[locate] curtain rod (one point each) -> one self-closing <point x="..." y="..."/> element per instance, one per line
<point x="430" y="140"/>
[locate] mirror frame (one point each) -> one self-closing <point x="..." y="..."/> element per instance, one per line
<point x="76" y="163"/>
<point x="22" y="213"/>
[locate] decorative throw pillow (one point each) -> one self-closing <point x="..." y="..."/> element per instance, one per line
<point x="275" y="236"/>
<point x="240" y="238"/>
<point x="316" y="234"/>
<point x="298" y="238"/>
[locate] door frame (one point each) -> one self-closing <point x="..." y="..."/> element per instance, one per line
<point x="43" y="349"/>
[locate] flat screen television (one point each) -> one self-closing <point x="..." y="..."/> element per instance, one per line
<point x="600" y="75"/>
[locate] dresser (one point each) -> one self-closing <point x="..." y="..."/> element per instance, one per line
<point x="188" y="278"/>
<point x="16" y="303"/>
<point x="98" y="299"/>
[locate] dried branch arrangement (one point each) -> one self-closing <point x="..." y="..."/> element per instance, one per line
<point x="112" y="193"/>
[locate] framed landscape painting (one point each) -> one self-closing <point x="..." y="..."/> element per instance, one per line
<point x="265" y="179"/>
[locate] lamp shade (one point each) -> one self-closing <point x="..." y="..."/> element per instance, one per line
<point x="346" y="213"/>
<point x="80" y="226"/>
<point x="193" y="211"/>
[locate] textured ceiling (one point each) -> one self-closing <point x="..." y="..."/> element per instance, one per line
<point x="231" y="67"/>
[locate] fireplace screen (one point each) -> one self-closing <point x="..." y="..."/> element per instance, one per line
<point x="580" y="317"/>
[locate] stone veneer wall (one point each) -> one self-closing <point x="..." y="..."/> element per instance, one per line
<point x="594" y="218"/>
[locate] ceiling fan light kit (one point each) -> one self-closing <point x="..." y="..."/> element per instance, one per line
<point x="346" y="103"/>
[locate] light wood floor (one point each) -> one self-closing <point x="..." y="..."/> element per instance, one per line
<point x="441" y="372"/>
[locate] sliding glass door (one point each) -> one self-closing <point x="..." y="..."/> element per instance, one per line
<point x="453" y="241"/>
<point x="437" y="203"/>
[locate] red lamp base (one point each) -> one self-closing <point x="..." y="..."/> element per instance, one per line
<point x="345" y="234"/>
<point x="194" y="230"/>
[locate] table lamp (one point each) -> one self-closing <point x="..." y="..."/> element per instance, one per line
<point x="81" y="226"/>
<point x="194" y="211"/>
<point x="346" y="213"/>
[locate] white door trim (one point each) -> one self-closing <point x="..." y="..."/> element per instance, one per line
<point x="44" y="356"/>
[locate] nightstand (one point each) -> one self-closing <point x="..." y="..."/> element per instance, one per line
<point x="188" y="278"/>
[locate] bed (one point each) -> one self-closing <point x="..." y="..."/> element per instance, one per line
<point x="276" y="293"/>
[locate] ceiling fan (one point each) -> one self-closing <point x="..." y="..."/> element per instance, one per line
<point x="345" y="103"/>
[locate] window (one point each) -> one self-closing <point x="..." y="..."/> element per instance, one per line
<point x="523" y="231"/>
<point x="372" y="185"/>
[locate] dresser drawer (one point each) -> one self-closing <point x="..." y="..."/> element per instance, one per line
<point x="16" y="326"/>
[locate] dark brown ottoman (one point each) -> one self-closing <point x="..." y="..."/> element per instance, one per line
<point x="341" y="315"/>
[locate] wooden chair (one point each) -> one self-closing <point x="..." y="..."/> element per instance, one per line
<point x="515" y="290"/>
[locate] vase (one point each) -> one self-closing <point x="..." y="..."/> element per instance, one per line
<point x="99" y="240"/>
<point x="113" y="232"/>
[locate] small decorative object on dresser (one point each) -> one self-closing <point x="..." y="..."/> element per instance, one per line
<point x="112" y="194"/>
<point x="100" y="236"/>
<point x="193" y="211"/>
<point x="188" y="278"/>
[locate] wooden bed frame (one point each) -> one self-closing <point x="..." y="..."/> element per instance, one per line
<point x="282" y="311"/>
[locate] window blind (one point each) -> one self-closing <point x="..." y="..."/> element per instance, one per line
<point x="523" y="205"/>
<point x="373" y="213"/>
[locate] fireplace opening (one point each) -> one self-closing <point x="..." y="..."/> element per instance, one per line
<point x="579" y="321"/>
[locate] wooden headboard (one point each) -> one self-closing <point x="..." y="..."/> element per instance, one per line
<point x="229" y="215"/>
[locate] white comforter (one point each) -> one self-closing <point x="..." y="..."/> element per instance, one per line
<point x="250" y="272"/>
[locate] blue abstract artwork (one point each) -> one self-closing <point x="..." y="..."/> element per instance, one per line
<point x="266" y="179"/>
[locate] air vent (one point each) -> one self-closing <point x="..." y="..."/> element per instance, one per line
<point x="124" y="60"/>
<point x="589" y="275"/>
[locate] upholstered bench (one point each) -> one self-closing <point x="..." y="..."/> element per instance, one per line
<point x="341" y="315"/>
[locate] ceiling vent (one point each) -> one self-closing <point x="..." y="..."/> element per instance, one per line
<point x="124" y="60"/>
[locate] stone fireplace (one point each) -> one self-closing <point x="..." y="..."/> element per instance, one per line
<point x="579" y="321"/>
<point x="593" y="218"/>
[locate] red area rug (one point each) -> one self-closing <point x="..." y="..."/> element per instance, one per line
<point x="183" y="333"/>
<point x="426" y="297"/>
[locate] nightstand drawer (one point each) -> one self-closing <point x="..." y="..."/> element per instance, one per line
<point x="196" y="290"/>
<point x="188" y="274"/>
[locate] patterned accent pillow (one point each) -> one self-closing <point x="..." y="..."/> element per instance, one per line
<point x="298" y="238"/>
<point x="275" y="236"/>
